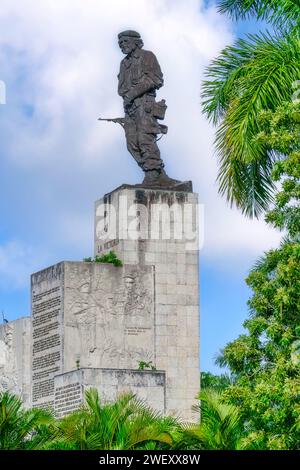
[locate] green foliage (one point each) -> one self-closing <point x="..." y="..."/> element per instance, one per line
<point x="248" y="95"/>
<point x="146" y="365"/>
<point x="217" y="383"/>
<point x="281" y="13"/>
<point x="254" y="74"/>
<point x="110" y="257"/>
<point x="221" y="426"/>
<point x="266" y="360"/>
<point x="21" y="429"/>
<point x="281" y="132"/>
<point x="126" y="424"/>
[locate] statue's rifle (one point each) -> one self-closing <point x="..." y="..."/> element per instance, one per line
<point x="120" y="121"/>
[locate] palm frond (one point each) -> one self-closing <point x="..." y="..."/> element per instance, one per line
<point x="221" y="426"/>
<point x="255" y="74"/>
<point x="20" y="429"/>
<point x="281" y="13"/>
<point x="127" y="423"/>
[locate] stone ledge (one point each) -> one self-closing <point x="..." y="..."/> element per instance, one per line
<point x="181" y="186"/>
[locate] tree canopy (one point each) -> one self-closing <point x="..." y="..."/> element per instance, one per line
<point x="266" y="359"/>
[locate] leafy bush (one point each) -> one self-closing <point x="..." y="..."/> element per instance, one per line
<point x="110" y="257"/>
<point x="146" y="365"/>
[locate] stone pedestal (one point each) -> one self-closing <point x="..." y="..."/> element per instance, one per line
<point x="96" y="325"/>
<point x="159" y="228"/>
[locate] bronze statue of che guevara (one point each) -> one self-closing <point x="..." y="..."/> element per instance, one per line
<point x="139" y="78"/>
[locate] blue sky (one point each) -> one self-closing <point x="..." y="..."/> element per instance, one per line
<point x="59" y="61"/>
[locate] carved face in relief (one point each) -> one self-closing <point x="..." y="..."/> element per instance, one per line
<point x="8" y="336"/>
<point x="129" y="284"/>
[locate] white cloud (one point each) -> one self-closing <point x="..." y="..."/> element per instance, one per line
<point x="230" y="231"/>
<point x="60" y="61"/>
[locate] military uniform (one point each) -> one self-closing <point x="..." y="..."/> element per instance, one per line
<point x="139" y="78"/>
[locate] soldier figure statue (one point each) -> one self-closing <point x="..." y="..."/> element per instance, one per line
<point x="139" y="78"/>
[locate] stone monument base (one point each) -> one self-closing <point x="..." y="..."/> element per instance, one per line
<point x="70" y="387"/>
<point x="94" y="325"/>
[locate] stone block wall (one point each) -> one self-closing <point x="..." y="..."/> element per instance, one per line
<point x="111" y="384"/>
<point x="89" y="315"/>
<point x="159" y="228"/>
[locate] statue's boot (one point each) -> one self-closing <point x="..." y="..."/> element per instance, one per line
<point x="164" y="179"/>
<point x="151" y="177"/>
<point x="159" y="177"/>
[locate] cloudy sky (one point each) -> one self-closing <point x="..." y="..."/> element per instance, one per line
<point x="59" y="61"/>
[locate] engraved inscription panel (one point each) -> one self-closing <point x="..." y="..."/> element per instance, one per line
<point x="47" y="305"/>
<point x="68" y="398"/>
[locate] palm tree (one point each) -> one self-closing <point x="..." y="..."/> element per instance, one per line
<point x="125" y="424"/>
<point x="20" y="429"/>
<point x="254" y="74"/>
<point x="221" y="426"/>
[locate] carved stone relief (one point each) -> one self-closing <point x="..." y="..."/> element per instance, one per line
<point x="8" y="366"/>
<point x="109" y="315"/>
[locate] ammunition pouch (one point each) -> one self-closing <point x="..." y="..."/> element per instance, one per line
<point x="163" y="129"/>
<point x="159" y="109"/>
